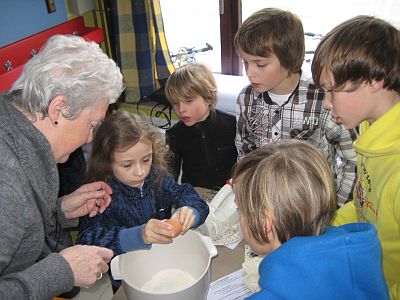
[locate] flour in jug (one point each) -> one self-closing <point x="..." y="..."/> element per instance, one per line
<point x="169" y="281"/>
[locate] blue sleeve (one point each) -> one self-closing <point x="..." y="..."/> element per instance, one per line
<point x="180" y="195"/>
<point x="196" y="217"/>
<point x="104" y="229"/>
<point x="132" y="239"/>
<point x="100" y="231"/>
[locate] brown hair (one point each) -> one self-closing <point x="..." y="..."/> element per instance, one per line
<point x="192" y="80"/>
<point x="291" y="181"/>
<point x="273" y="31"/>
<point x="120" y="131"/>
<point x="359" y="50"/>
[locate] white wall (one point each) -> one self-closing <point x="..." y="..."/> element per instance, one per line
<point x="229" y="87"/>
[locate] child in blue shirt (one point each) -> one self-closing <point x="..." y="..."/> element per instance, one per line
<point x="128" y="154"/>
<point x="286" y="198"/>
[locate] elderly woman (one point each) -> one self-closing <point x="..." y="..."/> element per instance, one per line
<point x="51" y="110"/>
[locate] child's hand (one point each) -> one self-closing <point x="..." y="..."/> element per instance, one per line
<point x="186" y="215"/>
<point x="156" y="231"/>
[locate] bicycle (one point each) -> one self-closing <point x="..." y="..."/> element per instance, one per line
<point x="186" y="55"/>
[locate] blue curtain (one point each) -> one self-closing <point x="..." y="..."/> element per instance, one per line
<point x="142" y="50"/>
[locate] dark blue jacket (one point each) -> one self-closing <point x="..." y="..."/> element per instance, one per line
<point x="343" y="263"/>
<point x="120" y="227"/>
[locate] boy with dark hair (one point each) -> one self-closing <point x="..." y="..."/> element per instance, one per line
<point x="358" y="65"/>
<point x="280" y="102"/>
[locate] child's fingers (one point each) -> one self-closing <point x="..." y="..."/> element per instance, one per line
<point x="157" y="231"/>
<point x="179" y="213"/>
<point x="162" y="239"/>
<point x="188" y="222"/>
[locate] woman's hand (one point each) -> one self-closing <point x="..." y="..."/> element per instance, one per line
<point x="87" y="263"/>
<point x="156" y="231"/>
<point x="187" y="217"/>
<point x="91" y="198"/>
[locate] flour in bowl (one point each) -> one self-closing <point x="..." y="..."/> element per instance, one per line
<point x="169" y="281"/>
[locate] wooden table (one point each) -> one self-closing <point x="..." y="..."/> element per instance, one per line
<point x="226" y="262"/>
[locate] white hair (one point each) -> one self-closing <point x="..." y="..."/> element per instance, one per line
<point x="71" y="67"/>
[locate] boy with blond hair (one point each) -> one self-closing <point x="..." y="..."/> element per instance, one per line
<point x="281" y="102"/>
<point x="203" y="141"/>
<point x="358" y="65"/>
<point x="286" y="198"/>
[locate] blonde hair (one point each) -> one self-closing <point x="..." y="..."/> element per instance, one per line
<point x="291" y="181"/>
<point x="120" y="131"/>
<point x="192" y="80"/>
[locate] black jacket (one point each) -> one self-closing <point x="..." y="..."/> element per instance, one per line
<point x="205" y="150"/>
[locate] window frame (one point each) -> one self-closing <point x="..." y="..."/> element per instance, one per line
<point x="230" y="20"/>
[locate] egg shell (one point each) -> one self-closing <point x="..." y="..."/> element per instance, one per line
<point x="176" y="226"/>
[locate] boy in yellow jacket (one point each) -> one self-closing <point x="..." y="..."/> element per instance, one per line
<point x="358" y="65"/>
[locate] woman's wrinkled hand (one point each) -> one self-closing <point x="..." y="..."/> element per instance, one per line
<point x="91" y="198"/>
<point x="87" y="263"/>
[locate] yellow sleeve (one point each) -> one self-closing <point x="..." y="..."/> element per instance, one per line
<point x="346" y="214"/>
<point x="394" y="291"/>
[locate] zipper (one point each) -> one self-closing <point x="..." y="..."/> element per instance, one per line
<point x="204" y="144"/>
<point x="141" y="191"/>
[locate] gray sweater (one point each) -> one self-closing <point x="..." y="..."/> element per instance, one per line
<point x="28" y="211"/>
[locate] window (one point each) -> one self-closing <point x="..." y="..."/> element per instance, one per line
<point x="191" y="24"/>
<point x="319" y="17"/>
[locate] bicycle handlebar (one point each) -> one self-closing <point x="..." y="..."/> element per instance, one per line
<point x="192" y="50"/>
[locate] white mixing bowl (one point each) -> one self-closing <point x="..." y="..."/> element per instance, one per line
<point x="189" y="254"/>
